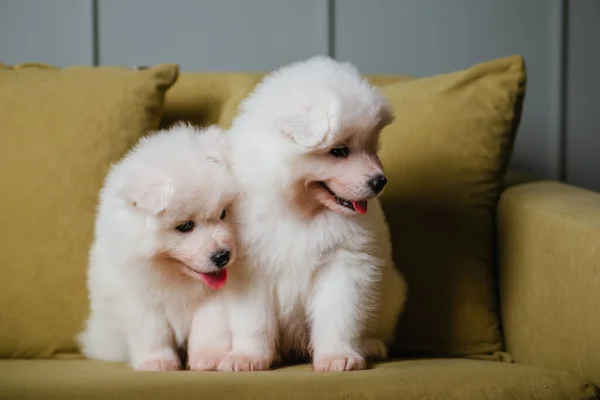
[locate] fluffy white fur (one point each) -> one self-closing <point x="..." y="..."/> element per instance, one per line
<point x="147" y="279"/>
<point x="316" y="275"/>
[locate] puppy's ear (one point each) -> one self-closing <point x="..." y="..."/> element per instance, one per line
<point x="149" y="189"/>
<point x="214" y="144"/>
<point x="386" y="114"/>
<point x="312" y="127"/>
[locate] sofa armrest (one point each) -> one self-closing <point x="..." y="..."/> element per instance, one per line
<point x="549" y="276"/>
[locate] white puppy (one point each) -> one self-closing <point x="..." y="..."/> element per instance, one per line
<point x="162" y="244"/>
<point x="318" y="277"/>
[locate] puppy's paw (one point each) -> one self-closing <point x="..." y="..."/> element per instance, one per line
<point x="206" y="359"/>
<point x="241" y="362"/>
<point x="158" y="365"/>
<point x="374" y="349"/>
<point x="339" y="362"/>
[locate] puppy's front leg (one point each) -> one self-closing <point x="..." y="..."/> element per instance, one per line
<point x="339" y="307"/>
<point x="151" y="342"/>
<point x="210" y="338"/>
<point x="253" y="328"/>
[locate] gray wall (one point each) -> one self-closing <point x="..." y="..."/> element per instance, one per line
<point x="558" y="39"/>
<point x="582" y="141"/>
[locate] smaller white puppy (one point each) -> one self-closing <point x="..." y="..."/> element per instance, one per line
<point x="162" y="246"/>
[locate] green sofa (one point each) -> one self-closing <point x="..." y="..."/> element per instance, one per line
<point x="512" y="285"/>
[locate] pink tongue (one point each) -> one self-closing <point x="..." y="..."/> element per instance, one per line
<point x="215" y="280"/>
<point x="360" y="206"/>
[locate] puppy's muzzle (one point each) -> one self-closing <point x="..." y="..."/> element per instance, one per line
<point x="220" y="258"/>
<point x="377" y="183"/>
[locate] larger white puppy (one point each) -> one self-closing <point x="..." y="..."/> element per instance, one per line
<point x="162" y="247"/>
<point x="318" y="276"/>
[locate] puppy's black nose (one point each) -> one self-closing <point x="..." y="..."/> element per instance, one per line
<point x="377" y="183"/>
<point x="220" y="258"/>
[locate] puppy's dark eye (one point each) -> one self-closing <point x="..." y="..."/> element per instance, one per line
<point x="340" y="152"/>
<point x="222" y="216"/>
<point x="187" y="226"/>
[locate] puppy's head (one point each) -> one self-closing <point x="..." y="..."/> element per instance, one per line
<point x="180" y="183"/>
<point x="331" y="119"/>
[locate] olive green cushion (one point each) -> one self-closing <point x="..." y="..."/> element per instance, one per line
<point x="207" y="98"/>
<point x="407" y="380"/>
<point x="61" y="129"/>
<point x="445" y="158"/>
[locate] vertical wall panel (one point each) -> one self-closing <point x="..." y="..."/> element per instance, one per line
<point x="205" y="35"/>
<point x="57" y="32"/>
<point x="428" y="37"/>
<point x="583" y="94"/>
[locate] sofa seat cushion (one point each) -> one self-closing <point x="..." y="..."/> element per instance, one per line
<point x="415" y="379"/>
